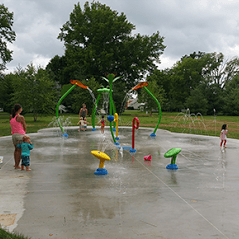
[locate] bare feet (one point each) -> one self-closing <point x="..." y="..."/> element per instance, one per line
<point x="22" y="168"/>
<point x="17" y="167"/>
<point x="28" y="169"/>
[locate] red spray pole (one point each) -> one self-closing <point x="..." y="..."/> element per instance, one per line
<point x="133" y="133"/>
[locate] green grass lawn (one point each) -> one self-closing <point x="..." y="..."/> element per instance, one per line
<point x="7" y="235"/>
<point x="174" y="122"/>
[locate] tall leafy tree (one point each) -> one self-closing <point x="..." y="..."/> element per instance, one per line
<point x="183" y="78"/>
<point x="57" y="70"/>
<point x="230" y="102"/>
<point x="219" y="70"/>
<point x="34" y="90"/>
<point x="6" y="91"/>
<point x="197" y="101"/>
<point x="98" y="40"/>
<point x="200" y="75"/>
<point x="6" y="35"/>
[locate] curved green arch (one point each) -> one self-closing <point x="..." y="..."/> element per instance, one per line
<point x="160" y="111"/>
<point x="58" y="104"/>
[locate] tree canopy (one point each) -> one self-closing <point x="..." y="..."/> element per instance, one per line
<point x="35" y="90"/>
<point x="201" y="81"/>
<point x="98" y="40"/>
<point x="6" y="35"/>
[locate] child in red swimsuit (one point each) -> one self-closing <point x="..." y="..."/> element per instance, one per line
<point x="102" y="122"/>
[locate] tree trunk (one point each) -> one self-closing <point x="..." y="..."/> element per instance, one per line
<point x="35" y="116"/>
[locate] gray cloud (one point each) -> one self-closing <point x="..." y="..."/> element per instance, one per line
<point x="187" y="25"/>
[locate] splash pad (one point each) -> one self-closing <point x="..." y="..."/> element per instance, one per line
<point x="133" y="199"/>
<point x="143" y="196"/>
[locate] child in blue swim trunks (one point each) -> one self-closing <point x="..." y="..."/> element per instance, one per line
<point x="26" y="146"/>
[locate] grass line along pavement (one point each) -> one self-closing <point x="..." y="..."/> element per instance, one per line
<point x="174" y="122"/>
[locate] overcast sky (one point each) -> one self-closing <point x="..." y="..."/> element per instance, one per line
<point x="187" y="25"/>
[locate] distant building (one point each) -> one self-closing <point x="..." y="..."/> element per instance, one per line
<point x="132" y="104"/>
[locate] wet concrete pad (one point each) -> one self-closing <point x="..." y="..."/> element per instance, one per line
<point x="136" y="199"/>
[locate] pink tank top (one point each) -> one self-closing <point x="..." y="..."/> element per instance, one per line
<point x="224" y="132"/>
<point x="17" y="127"/>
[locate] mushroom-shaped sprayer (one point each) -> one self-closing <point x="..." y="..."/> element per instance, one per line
<point x="172" y="153"/>
<point x="102" y="157"/>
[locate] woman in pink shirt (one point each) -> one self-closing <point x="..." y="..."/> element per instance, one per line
<point x="18" y="127"/>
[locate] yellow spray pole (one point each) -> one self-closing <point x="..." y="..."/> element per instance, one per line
<point x="116" y="120"/>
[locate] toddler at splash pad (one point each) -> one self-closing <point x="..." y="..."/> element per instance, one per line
<point x="81" y="124"/>
<point x="223" y="135"/>
<point x="85" y="123"/>
<point x="102" y="123"/>
<point x="26" y="146"/>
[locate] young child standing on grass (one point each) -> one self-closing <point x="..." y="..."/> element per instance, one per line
<point x="223" y="135"/>
<point x="26" y="146"/>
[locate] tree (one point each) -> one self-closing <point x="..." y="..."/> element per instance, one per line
<point x="6" y="91"/>
<point x="188" y="73"/>
<point x="231" y="97"/>
<point x="201" y="74"/>
<point x="197" y="101"/>
<point x="98" y="41"/>
<point x="218" y="71"/>
<point x="34" y="90"/>
<point x="57" y="70"/>
<point x="6" y="35"/>
<point x="184" y="77"/>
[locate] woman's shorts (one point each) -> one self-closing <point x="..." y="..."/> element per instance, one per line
<point x="17" y="137"/>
